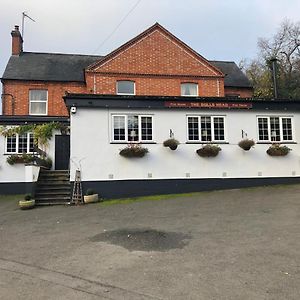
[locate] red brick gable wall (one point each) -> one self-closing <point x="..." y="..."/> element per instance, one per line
<point x="157" y="54"/>
<point x="19" y="105"/>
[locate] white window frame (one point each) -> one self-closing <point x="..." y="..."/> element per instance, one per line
<point x="212" y="117"/>
<point x="194" y="83"/>
<point x="280" y="129"/>
<point x="125" y="93"/>
<point x="37" y="101"/>
<point x="17" y="145"/>
<point x="127" y="137"/>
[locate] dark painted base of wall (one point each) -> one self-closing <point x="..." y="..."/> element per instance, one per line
<point x="131" y="188"/>
<point x="15" y="188"/>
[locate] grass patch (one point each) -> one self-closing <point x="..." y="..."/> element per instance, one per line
<point x="11" y="197"/>
<point x="148" y="198"/>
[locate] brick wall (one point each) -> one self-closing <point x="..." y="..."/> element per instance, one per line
<point x="20" y="91"/>
<point x="242" y="92"/>
<point x="155" y="85"/>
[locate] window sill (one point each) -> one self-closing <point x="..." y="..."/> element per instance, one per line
<point x="213" y="143"/>
<point x="267" y="143"/>
<point x="135" y="143"/>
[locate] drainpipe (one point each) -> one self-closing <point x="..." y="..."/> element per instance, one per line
<point x="4" y="102"/>
<point x="274" y="76"/>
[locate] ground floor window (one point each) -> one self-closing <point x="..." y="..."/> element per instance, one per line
<point x="20" y="143"/>
<point x="206" y="128"/>
<point x="275" y="129"/>
<point x="132" y="128"/>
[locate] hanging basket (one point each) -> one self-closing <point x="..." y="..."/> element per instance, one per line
<point x="246" y="144"/>
<point x="171" y="143"/>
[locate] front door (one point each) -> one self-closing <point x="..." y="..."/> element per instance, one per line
<point x="62" y="152"/>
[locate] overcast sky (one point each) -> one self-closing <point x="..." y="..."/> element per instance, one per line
<point x="217" y="29"/>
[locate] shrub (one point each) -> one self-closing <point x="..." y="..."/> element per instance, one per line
<point x="278" y="150"/>
<point x="27" y="197"/>
<point x="171" y="143"/>
<point x="209" y="150"/>
<point x="44" y="162"/>
<point x="90" y="192"/>
<point x="133" y="150"/>
<point x="246" y="144"/>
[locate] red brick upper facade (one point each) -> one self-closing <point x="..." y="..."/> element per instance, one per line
<point x="155" y="61"/>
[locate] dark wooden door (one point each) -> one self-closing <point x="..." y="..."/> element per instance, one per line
<point x="62" y="152"/>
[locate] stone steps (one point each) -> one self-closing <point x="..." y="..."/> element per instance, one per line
<point x="53" y="187"/>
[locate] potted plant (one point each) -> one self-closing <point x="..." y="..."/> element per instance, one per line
<point x="90" y="197"/>
<point x="208" y="150"/>
<point x="133" y="150"/>
<point x="27" y="203"/>
<point x="171" y="143"/>
<point x="246" y="144"/>
<point x="278" y="150"/>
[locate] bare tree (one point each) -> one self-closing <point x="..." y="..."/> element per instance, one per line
<point x="285" y="46"/>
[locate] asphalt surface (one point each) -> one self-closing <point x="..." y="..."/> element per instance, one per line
<point x="237" y="244"/>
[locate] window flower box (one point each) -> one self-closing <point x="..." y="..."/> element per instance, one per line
<point x="246" y="144"/>
<point x="133" y="150"/>
<point x="278" y="150"/>
<point x="209" y="151"/>
<point x="20" y="159"/>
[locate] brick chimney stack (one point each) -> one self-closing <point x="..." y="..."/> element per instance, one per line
<point x="17" y="41"/>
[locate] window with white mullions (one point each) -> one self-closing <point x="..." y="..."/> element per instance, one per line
<point x="20" y="143"/>
<point x="206" y="128"/>
<point x="11" y="144"/>
<point x="263" y="129"/>
<point x="119" y="128"/>
<point x="275" y="129"/>
<point x="146" y="127"/>
<point x="219" y="134"/>
<point x="132" y="128"/>
<point x="193" y="128"/>
<point x="23" y="143"/>
<point x="287" y="134"/>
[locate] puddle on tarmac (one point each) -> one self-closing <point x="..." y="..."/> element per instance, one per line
<point x="144" y="239"/>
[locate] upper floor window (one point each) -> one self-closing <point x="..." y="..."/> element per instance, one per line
<point x="206" y="128"/>
<point x="20" y="143"/>
<point x="189" y="89"/>
<point x="275" y="129"/>
<point x="125" y="87"/>
<point x="132" y="128"/>
<point x="38" y="102"/>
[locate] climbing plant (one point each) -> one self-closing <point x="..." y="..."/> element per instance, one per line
<point x="42" y="133"/>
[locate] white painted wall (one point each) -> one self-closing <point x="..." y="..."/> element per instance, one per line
<point x="16" y="172"/>
<point x="91" y="136"/>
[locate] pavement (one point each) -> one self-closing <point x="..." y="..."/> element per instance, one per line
<point x="235" y="244"/>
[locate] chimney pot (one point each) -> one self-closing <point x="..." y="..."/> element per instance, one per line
<point x="17" y="27"/>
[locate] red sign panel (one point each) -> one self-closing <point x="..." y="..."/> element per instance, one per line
<point x="181" y="104"/>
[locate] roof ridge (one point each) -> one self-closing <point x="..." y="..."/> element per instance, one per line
<point x="224" y="61"/>
<point x="58" y="53"/>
